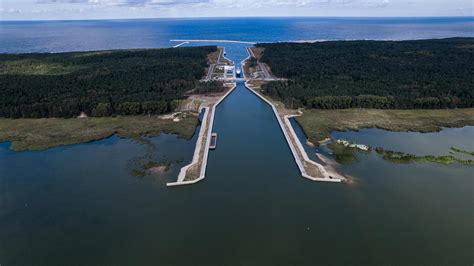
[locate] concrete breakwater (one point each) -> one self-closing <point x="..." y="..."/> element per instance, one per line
<point x="181" y="44"/>
<point x="196" y="170"/>
<point x="308" y="168"/>
<point x="219" y="41"/>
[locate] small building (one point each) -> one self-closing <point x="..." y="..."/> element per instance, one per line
<point x="229" y="72"/>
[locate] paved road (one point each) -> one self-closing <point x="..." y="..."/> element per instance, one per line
<point x="263" y="67"/>
<point x="266" y="74"/>
<point x="220" y="55"/>
<point x="250" y="52"/>
<point x="212" y="67"/>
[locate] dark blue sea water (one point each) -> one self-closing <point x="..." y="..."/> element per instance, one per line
<point x="57" y="36"/>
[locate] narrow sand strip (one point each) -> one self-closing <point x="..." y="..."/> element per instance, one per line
<point x="196" y="170"/>
<point x="221" y="41"/>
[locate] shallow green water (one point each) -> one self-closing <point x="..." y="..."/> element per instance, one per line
<point x="80" y="205"/>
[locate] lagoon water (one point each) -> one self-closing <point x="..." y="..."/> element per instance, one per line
<point x="80" y="204"/>
<point x="435" y="143"/>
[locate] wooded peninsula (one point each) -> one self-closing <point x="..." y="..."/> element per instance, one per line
<point x="100" y="83"/>
<point x="421" y="74"/>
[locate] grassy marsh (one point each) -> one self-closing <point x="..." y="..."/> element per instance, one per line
<point x="318" y="124"/>
<point x="41" y="134"/>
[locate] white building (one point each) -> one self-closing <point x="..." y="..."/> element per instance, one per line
<point x="229" y="72"/>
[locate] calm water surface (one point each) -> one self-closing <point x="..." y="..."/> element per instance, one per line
<point x="80" y="205"/>
<point x="437" y="143"/>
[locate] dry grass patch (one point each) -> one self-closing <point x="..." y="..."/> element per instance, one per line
<point x="40" y="134"/>
<point x="258" y="52"/>
<point x="318" y="124"/>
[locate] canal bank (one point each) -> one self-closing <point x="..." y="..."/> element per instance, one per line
<point x="307" y="167"/>
<point x="310" y="169"/>
<point x="196" y="170"/>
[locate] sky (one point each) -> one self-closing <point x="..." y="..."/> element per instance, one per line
<point x="123" y="9"/>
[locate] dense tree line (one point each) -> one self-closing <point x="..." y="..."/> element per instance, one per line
<point x="373" y="74"/>
<point x="122" y="82"/>
<point x="209" y="87"/>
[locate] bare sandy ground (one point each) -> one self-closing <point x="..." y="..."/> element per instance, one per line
<point x="331" y="167"/>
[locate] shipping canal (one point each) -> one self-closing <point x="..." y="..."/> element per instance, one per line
<point x="80" y="205"/>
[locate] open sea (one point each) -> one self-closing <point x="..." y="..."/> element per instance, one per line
<point x="60" y="36"/>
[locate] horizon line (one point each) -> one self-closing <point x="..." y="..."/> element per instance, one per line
<point x="236" y="17"/>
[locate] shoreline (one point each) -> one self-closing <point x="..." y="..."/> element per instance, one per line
<point x="318" y="125"/>
<point x="49" y="133"/>
<point x="308" y="168"/>
<point x="221" y="41"/>
<point x="196" y="170"/>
